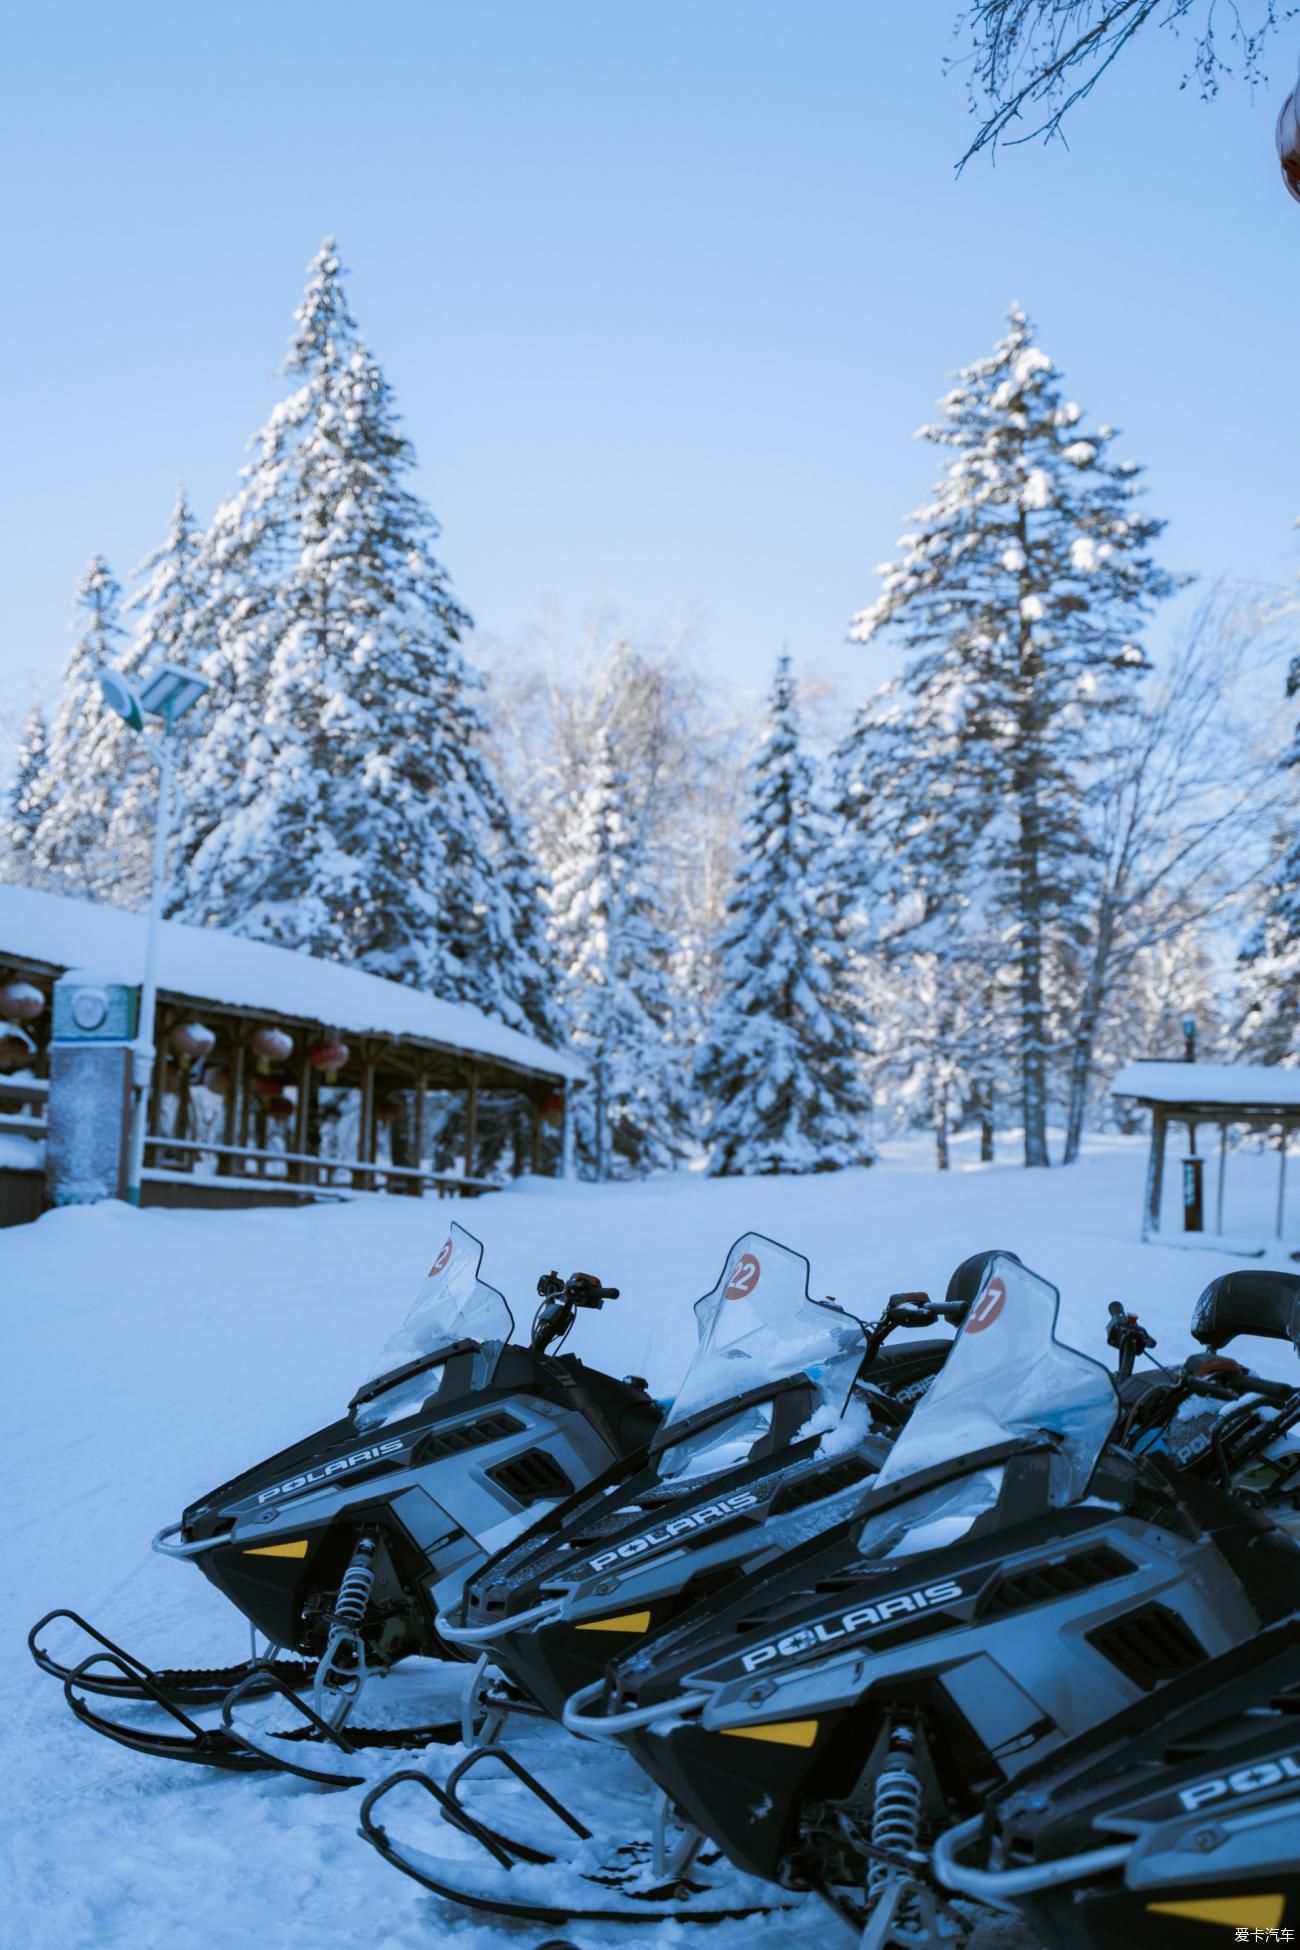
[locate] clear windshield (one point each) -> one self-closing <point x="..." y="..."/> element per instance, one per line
<point x="758" y="1326"/>
<point x="453" y="1305"/>
<point x="1008" y="1375"/>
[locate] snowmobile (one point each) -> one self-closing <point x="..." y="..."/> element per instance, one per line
<point x="1181" y="1813"/>
<point x="1012" y="1578"/>
<point x="787" y="1409"/>
<point x="332" y="1548"/>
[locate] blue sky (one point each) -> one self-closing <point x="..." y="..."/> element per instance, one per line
<point x="664" y="290"/>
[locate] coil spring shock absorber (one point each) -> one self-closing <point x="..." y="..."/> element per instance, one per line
<point x="336" y="1689"/>
<point x="895" y="1806"/>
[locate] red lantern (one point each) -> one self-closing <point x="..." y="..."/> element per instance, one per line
<point x="279" y="1108"/>
<point x="270" y="1046"/>
<point x="264" y="1088"/>
<point x="389" y="1110"/>
<point x="20" y="1001"/>
<point x="16" y="1049"/>
<point x="553" y="1110"/>
<point x="192" y="1041"/>
<point x="329" y="1057"/>
<point x="216" y="1078"/>
<point x="1288" y="141"/>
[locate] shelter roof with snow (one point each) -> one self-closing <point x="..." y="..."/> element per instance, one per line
<point x="202" y="966"/>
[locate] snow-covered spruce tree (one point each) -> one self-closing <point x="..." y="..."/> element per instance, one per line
<point x="1269" y="1005"/>
<point x="937" y="961"/>
<point x="782" y="1068"/>
<point x="614" y="960"/>
<point x="22" y="815"/>
<point x="1019" y="596"/>
<point x="70" y="799"/>
<point x="352" y="812"/>
<point x="122" y="779"/>
<point x="1269" y="988"/>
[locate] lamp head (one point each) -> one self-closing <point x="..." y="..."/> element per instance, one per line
<point x="120" y="696"/>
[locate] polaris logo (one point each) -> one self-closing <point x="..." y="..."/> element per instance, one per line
<point x="1243" y="1780"/>
<point x="864" y="1618"/>
<point x="323" y="1475"/>
<point x="664" y="1533"/>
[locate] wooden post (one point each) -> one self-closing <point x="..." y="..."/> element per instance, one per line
<point x="566" y="1140"/>
<point x="535" y="1161"/>
<point x="1223" y="1167"/>
<point x="234" y="1097"/>
<point x="421" y="1084"/>
<point x="1281" y="1178"/>
<point x="154" y="1121"/>
<point x="1155" y="1173"/>
<point x="471" y="1120"/>
<point x="303" y="1115"/>
<point x="366" y="1127"/>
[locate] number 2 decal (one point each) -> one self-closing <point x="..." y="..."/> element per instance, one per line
<point x="743" y="1278"/>
<point x="443" y="1256"/>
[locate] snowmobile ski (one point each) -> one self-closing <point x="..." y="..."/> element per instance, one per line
<point x="654" y="1881"/>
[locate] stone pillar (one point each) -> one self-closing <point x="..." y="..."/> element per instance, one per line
<point x="88" y="1136"/>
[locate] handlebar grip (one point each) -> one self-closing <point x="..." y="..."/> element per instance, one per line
<point x="609" y="1293"/>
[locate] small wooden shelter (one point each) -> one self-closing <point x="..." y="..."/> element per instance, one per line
<point x="1254" y="1096"/>
<point x="273" y="1047"/>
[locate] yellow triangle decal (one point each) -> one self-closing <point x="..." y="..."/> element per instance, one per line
<point x="781" y="1733"/>
<point x="296" y="1549"/>
<point x="628" y="1621"/>
<point x="1233" y="1912"/>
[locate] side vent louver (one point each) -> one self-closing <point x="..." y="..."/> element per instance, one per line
<point x="1060" y="1579"/>
<point x="466" y="1435"/>
<point x="820" y="1483"/>
<point x="532" y="1476"/>
<point x="1149" y="1646"/>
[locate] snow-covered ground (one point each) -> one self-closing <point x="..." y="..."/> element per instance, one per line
<point x="151" y="1355"/>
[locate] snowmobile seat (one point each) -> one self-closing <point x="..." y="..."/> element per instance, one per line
<point x="1250" y="1301"/>
<point x="968" y="1278"/>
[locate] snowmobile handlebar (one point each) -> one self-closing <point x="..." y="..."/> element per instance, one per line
<point x="580" y="1289"/>
<point x="911" y="1310"/>
<point x="561" y="1300"/>
<point x="1223" y="1379"/>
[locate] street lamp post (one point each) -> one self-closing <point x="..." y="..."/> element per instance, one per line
<point x="168" y="694"/>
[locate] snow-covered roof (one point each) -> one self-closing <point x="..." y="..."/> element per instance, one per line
<point x="209" y="965"/>
<point x="1254" y="1084"/>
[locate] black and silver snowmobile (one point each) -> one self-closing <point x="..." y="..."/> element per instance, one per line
<point x="788" y="1408"/>
<point x="1012" y="1578"/>
<point x="333" y="1548"/>
<point x="787" y="1411"/>
<point x="1176" y="1823"/>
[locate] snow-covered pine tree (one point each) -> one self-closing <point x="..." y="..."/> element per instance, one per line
<point x="22" y="815"/>
<point x="360" y="820"/>
<point x="1019" y="596"/>
<point x="614" y="957"/>
<point x="68" y="801"/>
<point x="1269" y="986"/>
<point x="125" y="787"/>
<point x="782" y="1069"/>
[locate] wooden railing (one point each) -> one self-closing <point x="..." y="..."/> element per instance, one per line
<point x="19" y="1090"/>
<point x="304" y="1171"/>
